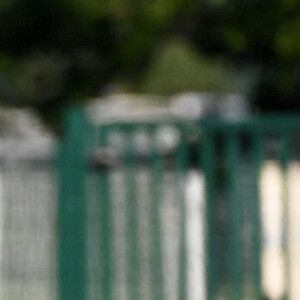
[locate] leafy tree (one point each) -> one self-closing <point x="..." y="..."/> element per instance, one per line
<point x="177" y="68"/>
<point x="261" y="35"/>
<point x="54" y="52"/>
<point x="50" y="54"/>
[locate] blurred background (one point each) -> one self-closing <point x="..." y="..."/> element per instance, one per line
<point x="141" y="62"/>
<point x="57" y="52"/>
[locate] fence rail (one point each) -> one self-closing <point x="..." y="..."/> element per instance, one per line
<point x="163" y="210"/>
<point x="149" y="233"/>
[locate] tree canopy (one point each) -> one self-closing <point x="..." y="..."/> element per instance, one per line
<point x="177" y="68"/>
<point x="261" y="35"/>
<point x="54" y="52"/>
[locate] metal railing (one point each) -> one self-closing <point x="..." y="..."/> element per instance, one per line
<point x="169" y="210"/>
<point x="116" y="241"/>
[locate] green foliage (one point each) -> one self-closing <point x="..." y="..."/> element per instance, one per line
<point x="55" y="52"/>
<point x="179" y="68"/>
<point x="261" y="35"/>
<point x="40" y="77"/>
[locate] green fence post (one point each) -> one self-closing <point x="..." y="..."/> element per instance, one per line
<point x="71" y="208"/>
<point x="285" y="139"/>
<point x="106" y="223"/>
<point x="256" y="160"/>
<point x="133" y="255"/>
<point x="157" y="278"/>
<point x="207" y="159"/>
<point x="235" y="271"/>
<point x="181" y="165"/>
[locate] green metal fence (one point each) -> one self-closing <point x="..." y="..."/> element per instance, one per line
<point x="124" y="218"/>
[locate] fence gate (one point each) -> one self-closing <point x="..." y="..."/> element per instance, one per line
<point x="174" y="210"/>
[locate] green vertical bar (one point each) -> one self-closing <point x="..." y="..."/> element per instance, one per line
<point x="234" y="253"/>
<point x="133" y="282"/>
<point x="157" y="288"/>
<point x="72" y="171"/>
<point x="181" y="168"/>
<point x="256" y="161"/>
<point x="207" y="160"/>
<point x="106" y="233"/>
<point x="284" y="158"/>
<point x="284" y="155"/>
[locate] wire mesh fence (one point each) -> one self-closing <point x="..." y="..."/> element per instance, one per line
<point x="27" y="221"/>
<point x="156" y="210"/>
<point x="143" y="241"/>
